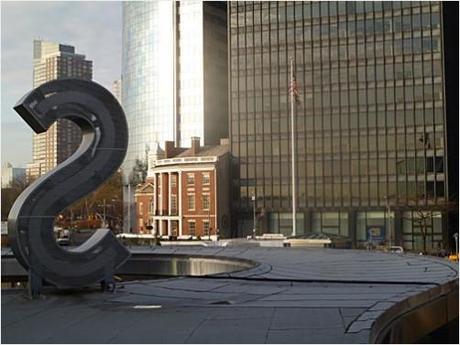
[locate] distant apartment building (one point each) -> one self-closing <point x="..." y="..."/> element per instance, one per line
<point x="376" y="128"/>
<point x="174" y="80"/>
<point x="11" y="175"/>
<point x="116" y="89"/>
<point x="55" y="61"/>
<point x="187" y="192"/>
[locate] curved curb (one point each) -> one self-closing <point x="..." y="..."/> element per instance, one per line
<point x="429" y="310"/>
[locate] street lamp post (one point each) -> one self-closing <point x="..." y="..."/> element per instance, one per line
<point x="254" y="218"/>
<point x="387" y="204"/>
<point x="293" y="90"/>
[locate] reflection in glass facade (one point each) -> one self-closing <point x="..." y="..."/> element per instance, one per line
<point x="203" y="90"/>
<point x="191" y="71"/>
<point x="371" y="124"/>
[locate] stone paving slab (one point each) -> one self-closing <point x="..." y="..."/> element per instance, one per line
<point x="299" y="335"/>
<point x="238" y="330"/>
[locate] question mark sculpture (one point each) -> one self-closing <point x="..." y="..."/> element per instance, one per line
<point x="103" y="147"/>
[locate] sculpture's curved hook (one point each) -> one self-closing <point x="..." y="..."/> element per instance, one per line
<point x="102" y="150"/>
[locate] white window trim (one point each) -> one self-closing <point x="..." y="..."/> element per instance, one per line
<point x="194" y="202"/>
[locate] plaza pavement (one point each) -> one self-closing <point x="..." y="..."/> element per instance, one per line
<point x="291" y="296"/>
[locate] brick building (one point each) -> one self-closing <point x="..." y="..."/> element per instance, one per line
<point x="187" y="191"/>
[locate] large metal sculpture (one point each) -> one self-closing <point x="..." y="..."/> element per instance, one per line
<point x="102" y="150"/>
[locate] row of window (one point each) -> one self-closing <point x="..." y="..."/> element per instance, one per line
<point x="360" y="193"/>
<point x="205" y="202"/>
<point x="259" y="66"/>
<point x="325" y="125"/>
<point x="191" y="179"/>
<point x="288" y="10"/>
<point x="192" y="227"/>
<point x="327" y="100"/>
<point x="398" y="71"/>
<point x="205" y="178"/>
<point x="337" y="223"/>
<point x="273" y="150"/>
<point x="347" y="167"/>
<point x="341" y="28"/>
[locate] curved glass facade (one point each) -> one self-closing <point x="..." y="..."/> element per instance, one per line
<point x="174" y="74"/>
<point x="174" y="80"/>
<point x="147" y="75"/>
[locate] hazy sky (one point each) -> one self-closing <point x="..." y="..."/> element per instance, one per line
<point x="93" y="28"/>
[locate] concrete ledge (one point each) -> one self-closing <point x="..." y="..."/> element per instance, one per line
<point x="417" y="316"/>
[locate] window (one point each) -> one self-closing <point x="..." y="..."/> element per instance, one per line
<point x="191" y="228"/>
<point x="205" y="201"/>
<point x="173" y="180"/>
<point x="190" y="178"/>
<point x="173" y="203"/>
<point x="141" y="205"/>
<point x="191" y="202"/>
<point x="206" y="178"/>
<point x="206" y="228"/>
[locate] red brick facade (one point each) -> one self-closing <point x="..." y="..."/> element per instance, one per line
<point x="180" y="197"/>
<point x="144" y="199"/>
<point x="203" y="214"/>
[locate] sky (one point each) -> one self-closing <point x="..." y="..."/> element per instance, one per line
<point x="93" y="27"/>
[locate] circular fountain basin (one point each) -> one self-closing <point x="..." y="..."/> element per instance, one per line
<point x="182" y="265"/>
<point x="150" y="265"/>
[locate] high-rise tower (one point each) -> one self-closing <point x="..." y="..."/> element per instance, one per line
<point x="174" y="78"/>
<point x="55" y="61"/>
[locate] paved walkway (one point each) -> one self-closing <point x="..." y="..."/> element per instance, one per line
<point x="292" y="296"/>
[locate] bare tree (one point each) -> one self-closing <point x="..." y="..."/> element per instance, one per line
<point x="10" y="194"/>
<point x="422" y="214"/>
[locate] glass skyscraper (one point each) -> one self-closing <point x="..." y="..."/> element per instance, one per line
<point x="174" y="80"/>
<point x="371" y="128"/>
<point x="148" y="62"/>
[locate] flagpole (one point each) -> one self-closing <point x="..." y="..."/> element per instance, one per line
<point x="294" y="232"/>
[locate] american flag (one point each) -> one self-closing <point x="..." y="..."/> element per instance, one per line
<point x="294" y="89"/>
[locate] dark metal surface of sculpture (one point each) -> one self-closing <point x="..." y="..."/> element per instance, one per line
<point x="30" y="223"/>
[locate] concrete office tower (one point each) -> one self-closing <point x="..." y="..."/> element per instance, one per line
<point x="373" y="127"/>
<point x="174" y="76"/>
<point x="55" y="61"/>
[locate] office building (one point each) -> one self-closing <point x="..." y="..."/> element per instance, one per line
<point x="375" y="125"/>
<point x="116" y="89"/>
<point x="55" y="61"/>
